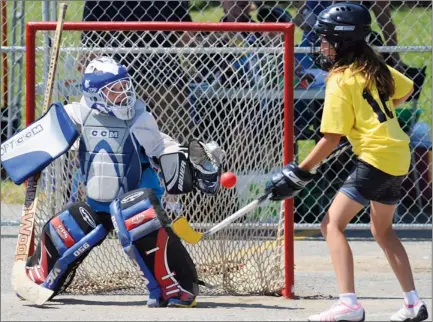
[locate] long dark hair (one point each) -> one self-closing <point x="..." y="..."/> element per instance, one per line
<point x="363" y="59"/>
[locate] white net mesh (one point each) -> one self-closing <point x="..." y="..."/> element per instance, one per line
<point x="222" y="86"/>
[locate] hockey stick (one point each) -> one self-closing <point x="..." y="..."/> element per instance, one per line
<point x="183" y="229"/>
<point x="22" y="284"/>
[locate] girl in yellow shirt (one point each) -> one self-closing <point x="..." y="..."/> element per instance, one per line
<point x="361" y="95"/>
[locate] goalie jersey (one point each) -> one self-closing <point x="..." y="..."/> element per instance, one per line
<point x="114" y="153"/>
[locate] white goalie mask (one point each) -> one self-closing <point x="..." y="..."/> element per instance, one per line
<point x="107" y="87"/>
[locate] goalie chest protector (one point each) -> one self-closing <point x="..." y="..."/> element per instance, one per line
<point x="108" y="155"/>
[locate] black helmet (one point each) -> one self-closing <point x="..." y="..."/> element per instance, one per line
<point x="346" y="26"/>
<point x="344" y="22"/>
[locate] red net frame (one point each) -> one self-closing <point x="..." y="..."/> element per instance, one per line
<point x="286" y="29"/>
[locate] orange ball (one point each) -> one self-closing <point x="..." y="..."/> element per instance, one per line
<point x="228" y="180"/>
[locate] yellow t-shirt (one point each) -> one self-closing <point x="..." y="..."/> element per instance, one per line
<point x="371" y="128"/>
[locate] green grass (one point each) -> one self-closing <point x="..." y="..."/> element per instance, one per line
<point x="413" y="26"/>
<point x="11" y="193"/>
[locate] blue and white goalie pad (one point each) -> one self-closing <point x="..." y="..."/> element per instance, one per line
<point x="30" y="150"/>
<point x="65" y="241"/>
<point x="145" y="234"/>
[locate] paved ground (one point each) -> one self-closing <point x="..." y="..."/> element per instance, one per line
<point x="315" y="286"/>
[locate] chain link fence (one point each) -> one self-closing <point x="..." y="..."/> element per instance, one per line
<point x="402" y="35"/>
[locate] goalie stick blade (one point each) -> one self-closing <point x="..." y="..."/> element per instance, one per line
<point x="26" y="288"/>
<point x="183" y="230"/>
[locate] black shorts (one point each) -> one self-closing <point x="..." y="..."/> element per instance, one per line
<point x="367" y="183"/>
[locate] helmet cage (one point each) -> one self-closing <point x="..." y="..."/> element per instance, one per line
<point x="118" y="97"/>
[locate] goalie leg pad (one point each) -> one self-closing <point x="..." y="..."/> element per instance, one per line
<point x="66" y="240"/>
<point x="145" y="235"/>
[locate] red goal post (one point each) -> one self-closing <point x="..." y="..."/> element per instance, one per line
<point x="285" y="155"/>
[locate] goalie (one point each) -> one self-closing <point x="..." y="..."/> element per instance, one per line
<point x="120" y="147"/>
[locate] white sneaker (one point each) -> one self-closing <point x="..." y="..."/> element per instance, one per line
<point x="411" y="313"/>
<point x="341" y="312"/>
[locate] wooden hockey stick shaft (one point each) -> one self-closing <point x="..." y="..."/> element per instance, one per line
<point x="25" y="234"/>
<point x="30" y="203"/>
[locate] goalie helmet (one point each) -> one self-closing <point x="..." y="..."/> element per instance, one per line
<point x="343" y="25"/>
<point x="107" y="87"/>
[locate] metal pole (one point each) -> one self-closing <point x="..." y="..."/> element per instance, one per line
<point x="4" y="56"/>
<point x="53" y="17"/>
<point x="20" y="64"/>
<point x="12" y="75"/>
<point x="53" y="10"/>
<point x="47" y="40"/>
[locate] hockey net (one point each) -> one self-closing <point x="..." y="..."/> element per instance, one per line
<point x="231" y="83"/>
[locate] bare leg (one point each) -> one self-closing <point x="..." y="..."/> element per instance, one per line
<point x="381" y="228"/>
<point x="341" y="212"/>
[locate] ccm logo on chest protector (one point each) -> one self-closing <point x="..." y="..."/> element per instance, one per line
<point x="132" y="197"/>
<point x="86" y="217"/>
<point x="105" y="134"/>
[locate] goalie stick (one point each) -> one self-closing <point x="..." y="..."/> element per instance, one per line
<point x="183" y="229"/>
<point x="22" y="284"/>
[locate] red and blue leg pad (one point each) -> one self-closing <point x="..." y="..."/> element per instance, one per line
<point x="66" y="240"/>
<point x="142" y="227"/>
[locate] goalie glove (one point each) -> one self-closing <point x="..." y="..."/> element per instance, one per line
<point x="206" y="160"/>
<point x="198" y="165"/>
<point x="289" y="182"/>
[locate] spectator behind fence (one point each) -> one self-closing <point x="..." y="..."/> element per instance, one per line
<point x="159" y="80"/>
<point x="382" y="11"/>
<point x="236" y="11"/>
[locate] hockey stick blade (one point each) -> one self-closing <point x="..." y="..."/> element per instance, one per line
<point x="26" y="288"/>
<point x="21" y="283"/>
<point x="183" y="229"/>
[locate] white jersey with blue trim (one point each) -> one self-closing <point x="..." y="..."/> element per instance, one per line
<point x="109" y="151"/>
<point x="145" y="129"/>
